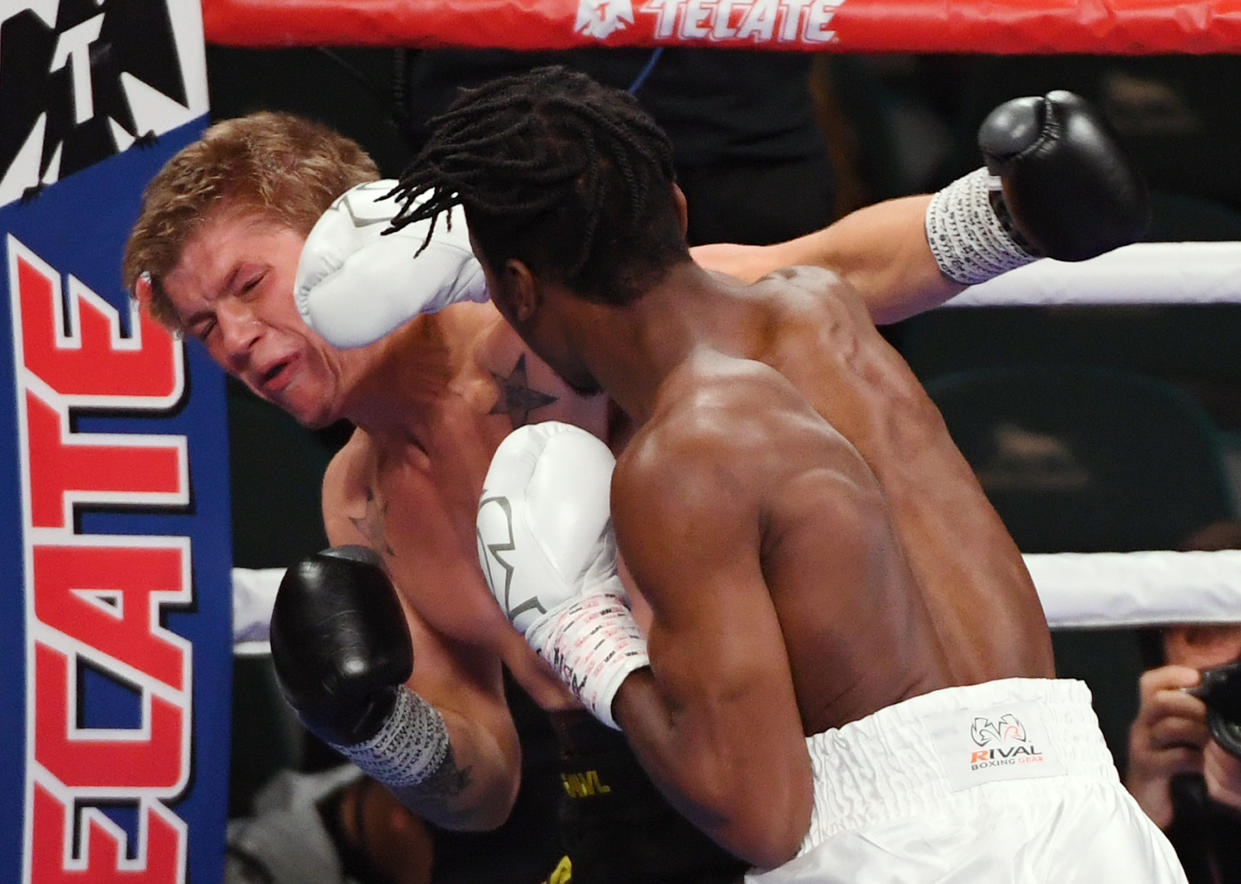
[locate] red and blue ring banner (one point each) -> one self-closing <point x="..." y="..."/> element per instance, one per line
<point x="115" y="632"/>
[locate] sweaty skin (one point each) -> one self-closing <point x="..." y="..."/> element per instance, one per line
<point x="812" y="545"/>
<point x="430" y="403"/>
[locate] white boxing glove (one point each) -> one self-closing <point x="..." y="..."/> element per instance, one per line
<point x="546" y="547"/>
<point x="354" y="285"/>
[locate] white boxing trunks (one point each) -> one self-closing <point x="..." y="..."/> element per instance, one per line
<point x="1008" y="781"/>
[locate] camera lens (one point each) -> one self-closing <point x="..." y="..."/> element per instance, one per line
<point x="1220" y="689"/>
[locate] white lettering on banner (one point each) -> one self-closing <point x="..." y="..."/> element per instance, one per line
<point x="695" y="20"/>
<point x="73" y="47"/>
<point x="95" y="602"/>
<point x="759" y="24"/>
<point x="599" y="18"/>
<point x="759" y="21"/>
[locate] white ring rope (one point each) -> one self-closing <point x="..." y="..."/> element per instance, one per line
<point x="1145" y="273"/>
<point x="1093" y="590"/>
<point x="1078" y="591"/>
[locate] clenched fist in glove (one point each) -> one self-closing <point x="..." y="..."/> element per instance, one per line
<point x="342" y="654"/>
<point x="356" y="283"/>
<point x="1057" y="184"/>
<point x="546" y="547"/>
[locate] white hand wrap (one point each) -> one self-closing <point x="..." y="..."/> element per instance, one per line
<point x="546" y="548"/>
<point x="354" y="286"/>
<point x="967" y="238"/>
<point x="592" y="643"/>
<point x="410" y="746"/>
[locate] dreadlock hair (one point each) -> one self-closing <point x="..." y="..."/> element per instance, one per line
<point x="568" y="176"/>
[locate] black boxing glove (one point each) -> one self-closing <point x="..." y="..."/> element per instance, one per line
<point x="1056" y="184"/>
<point x="342" y="654"/>
<point x="1068" y="188"/>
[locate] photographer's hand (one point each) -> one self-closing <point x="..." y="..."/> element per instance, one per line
<point x="1166" y="738"/>
<point x="1222" y="771"/>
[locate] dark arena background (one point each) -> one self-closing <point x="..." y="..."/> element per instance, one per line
<point x="148" y="498"/>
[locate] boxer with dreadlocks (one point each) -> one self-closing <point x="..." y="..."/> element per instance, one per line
<point x="835" y="608"/>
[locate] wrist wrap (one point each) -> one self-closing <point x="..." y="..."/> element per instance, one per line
<point x="592" y="643"/>
<point x="969" y="240"/>
<point x="408" y="748"/>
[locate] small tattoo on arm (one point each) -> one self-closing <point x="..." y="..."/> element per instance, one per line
<point x="446" y="783"/>
<point x="371" y="525"/>
<point x="517" y="397"/>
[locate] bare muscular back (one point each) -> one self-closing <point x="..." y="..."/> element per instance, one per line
<point x="976" y="585"/>
<point x="889" y="572"/>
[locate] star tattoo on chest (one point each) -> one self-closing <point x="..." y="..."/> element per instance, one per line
<point x="517" y="397"/>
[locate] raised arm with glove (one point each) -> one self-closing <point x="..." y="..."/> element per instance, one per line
<point x="547" y="551"/>
<point x="545" y="544"/>
<point x="1057" y="184"/>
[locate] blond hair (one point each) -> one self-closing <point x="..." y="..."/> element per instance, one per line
<point x="282" y="167"/>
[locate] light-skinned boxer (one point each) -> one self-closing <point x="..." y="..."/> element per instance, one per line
<point x="215" y="253"/>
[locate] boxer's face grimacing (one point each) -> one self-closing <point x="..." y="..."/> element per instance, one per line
<point x="232" y="289"/>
